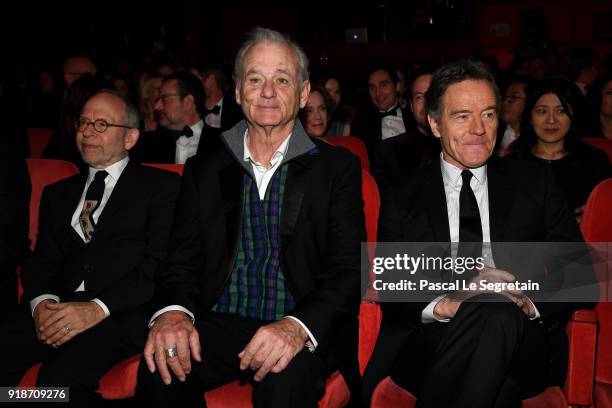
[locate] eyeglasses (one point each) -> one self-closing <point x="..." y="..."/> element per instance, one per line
<point x="100" y="125"/>
<point x="512" y="98"/>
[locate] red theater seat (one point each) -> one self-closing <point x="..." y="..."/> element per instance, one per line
<point x="354" y="145"/>
<point x="597" y="229"/>
<point x="600" y="143"/>
<point x="577" y="391"/>
<point x="38" y="139"/>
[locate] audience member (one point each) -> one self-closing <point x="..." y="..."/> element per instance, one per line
<point x="319" y="109"/>
<point x="102" y="235"/>
<point x="550" y="134"/>
<point x="599" y="108"/>
<point x="384" y="118"/>
<point x="262" y="283"/>
<point x="401" y="155"/>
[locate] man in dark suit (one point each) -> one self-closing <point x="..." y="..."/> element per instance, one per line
<point x="181" y="131"/>
<point x="15" y="191"/>
<point x="221" y="112"/>
<point x="384" y="118"/>
<point x="101" y="237"/>
<point x="262" y="277"/>
<point x="494" y="349"/>
<point x="401" y="155"/>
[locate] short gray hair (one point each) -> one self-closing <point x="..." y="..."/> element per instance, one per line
<point x="265" y="35"/>
<point x="132" y="118"/>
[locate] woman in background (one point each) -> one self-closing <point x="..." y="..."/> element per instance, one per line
<point x="550" y="135"/>
<point x="317" y="113"/>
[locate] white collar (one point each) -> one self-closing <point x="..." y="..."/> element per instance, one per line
<point x="114" y="170"/>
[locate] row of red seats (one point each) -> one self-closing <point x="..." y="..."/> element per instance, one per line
<point x="120" y="381"/>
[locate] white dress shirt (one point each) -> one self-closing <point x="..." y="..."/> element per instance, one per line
<point x="114" y="172"/>
<point x="263" y="175"/>
<point x="212" y="120"/>
<point x="393" y="125"/>
<point x="451" y="177"/>
<point x="188" y="146"/>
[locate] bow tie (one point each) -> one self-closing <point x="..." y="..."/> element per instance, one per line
<point x="215" y="110"/>
<point x="186" y="131"/>
<point x="391" y="112"/>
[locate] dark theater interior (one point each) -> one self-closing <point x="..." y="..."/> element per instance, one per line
<point x="369" y="85"/>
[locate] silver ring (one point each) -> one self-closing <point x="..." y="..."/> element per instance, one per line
<point x="66" y="329"/>
<point x="171" y="352"/>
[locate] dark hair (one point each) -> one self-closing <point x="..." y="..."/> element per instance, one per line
<point x="320" y="76"/>
<point x="580" y="58"/>
<point x="217" y="70"/>
<point x="189" y="84"/>
<point x="572" y="101"/>
<point x="450" y="74"/>
<point x="390" y="70"/>
<point x="594" y="100"/>
<point x="519" y="79"/>
<point x="327" y="100"/>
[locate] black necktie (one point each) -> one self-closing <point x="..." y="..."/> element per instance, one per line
<point x="186" y="131"/>
<point x="470" y="227"/>
<point x="93" y="197"/>
<point x="214" y="111"/>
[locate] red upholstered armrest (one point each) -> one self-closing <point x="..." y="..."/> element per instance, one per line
<point x="582" y="336"/>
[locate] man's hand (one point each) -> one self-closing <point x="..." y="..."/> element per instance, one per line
<point x="172" y="330"/>
<point x="41" y="313"/>
<point x="448" y="306"/>
<point x="68" y="320"/>
<point x="273" y="347"/>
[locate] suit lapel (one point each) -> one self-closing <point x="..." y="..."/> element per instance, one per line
<point x="123" y="193"/>
<point x="231" y="184"/>
<point x="501" y="191"/>
<point x="435" y="203"/>
<point x="72" y="198"/>
<point x="295" y="188"/>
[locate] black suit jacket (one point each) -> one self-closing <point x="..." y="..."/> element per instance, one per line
<point x="399" y="156"/>
<point x="322" y="225"/>
<point x="525" y="205"/>
<point x="118" y="264"/>
<point x="368" y="127"/>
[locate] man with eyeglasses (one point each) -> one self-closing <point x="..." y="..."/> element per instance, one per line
<point x="180" y="106"/>
<point x="101" y="236"/>
<point x="513" y="103"/>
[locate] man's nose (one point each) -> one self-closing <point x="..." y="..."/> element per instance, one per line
<point x="268" y="90"/>
<point x="477" y="126"/>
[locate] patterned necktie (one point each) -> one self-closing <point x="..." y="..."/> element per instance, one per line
<point x="470" y="226"/>
<point x="93" y="197"/>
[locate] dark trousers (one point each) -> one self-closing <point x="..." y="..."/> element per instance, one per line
<point x="77" y="364"/>
<point x="222" y="337"/>
<point x="489" y="355"/>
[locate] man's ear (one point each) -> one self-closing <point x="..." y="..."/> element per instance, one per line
<point x="304" y="94"/>
<point x="237" y="92"/>
<point x="190" y="100"/>
<point x="130" y="138"/>
<point x="433" y="124"/>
